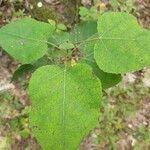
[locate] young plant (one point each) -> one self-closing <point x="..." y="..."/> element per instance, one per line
<point x="72" y="68"/>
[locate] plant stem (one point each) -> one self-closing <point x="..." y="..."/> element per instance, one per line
<point x="52" y="44"/>
<point x="88" y="40"/>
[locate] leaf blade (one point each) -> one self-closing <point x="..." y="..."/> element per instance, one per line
<point x="25" y="39"/>
<point x="64" y="107"/>
<point x="120" y="49"/>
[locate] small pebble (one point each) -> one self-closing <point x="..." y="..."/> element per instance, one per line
<point x="145" y="123"/>
<point x="39" y="4"/>
<point x="130" y="126"/>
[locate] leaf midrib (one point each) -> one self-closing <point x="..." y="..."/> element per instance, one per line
<point x="63" y="109"/>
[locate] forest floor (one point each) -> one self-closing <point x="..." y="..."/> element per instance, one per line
<point x="124" y="122"/>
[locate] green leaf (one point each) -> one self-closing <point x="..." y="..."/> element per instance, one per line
<point x="26" y="39"/>
<point x="114" y="4"/>
<point x="52" y="22"/>
<point x="41" y="62"/>
<point x="107" y="79"/>
<point x="59" y="38"/>
<point x="65" y="105"/>
<point x="83" y="11"/>
<point x="80" y="33"/>
<point x="25" y="133"/>
<point x="66" y="45"/>
<point x="83" y="31"/>
<point x="21" y="71"/>
<point x="123" y="46"/>
<point x="61" y="26"/>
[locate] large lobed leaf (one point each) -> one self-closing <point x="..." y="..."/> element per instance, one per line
<point x="26" y="39"/>
<point x="123" y="45"/>
<point x="65" y="105"/>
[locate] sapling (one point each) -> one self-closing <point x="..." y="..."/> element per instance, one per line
<point x="70" y="70"/>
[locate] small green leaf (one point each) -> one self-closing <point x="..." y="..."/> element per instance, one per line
<point x="26" y="39"/>
<point x="25" y="133"/>
<point x="61" y="26"/>
<point x="123" y="46"/>
<point x="65" y="105"/>
<point x="21" y="71"/>
<point x="52" y="22"/>
<point x="59" y="38"/>
<point x="83" y="11"/>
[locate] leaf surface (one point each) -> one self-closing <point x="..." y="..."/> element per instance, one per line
<point x="26" y="39"/>
<point x="84" y="31"/>
<point x="107" y="79"/>
<point x="123" y="45"/>
<point x="22" y="71"/>
<point x="65" y="105"/>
